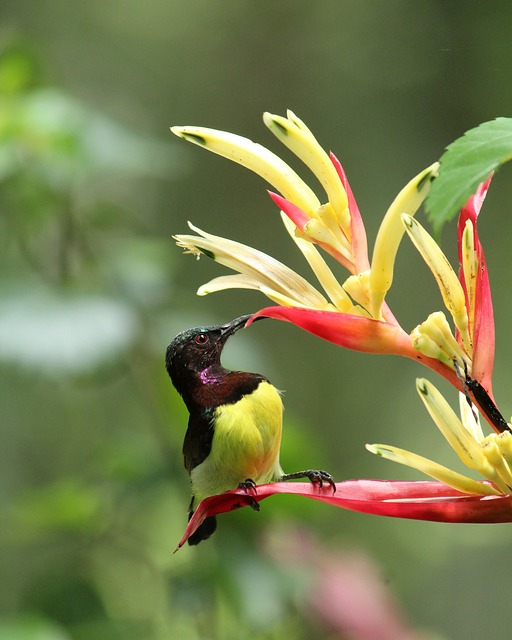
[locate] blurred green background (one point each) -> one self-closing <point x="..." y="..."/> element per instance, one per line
<point x="93" y="495"/>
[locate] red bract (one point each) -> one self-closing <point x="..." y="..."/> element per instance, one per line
<point x="359" y="241"/>
<point x="419" y="500"/>
<point x="483" y="320"/>
<point x="356" y="333"/>
<point x="346" y="330"/>
<point x="301" y="220"/>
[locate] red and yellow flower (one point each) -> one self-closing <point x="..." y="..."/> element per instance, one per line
<point x="354" y="314"/>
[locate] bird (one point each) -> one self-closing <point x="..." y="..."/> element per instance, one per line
<point x="233" y="437"/>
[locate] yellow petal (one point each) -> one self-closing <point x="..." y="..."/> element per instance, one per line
<point x="447" y="280"/>
<point x="259" y="266"/>
<point x="325" y="276"/>
<point x="447" y="421"/>
<point x="435" y="339"/>
<point x="357" y="287"/>
<point x="293" y="133"/>
<point x="492" y="453"/>
<point x="470" y="422"/>
<point x="391" y="232"/>
<point x="433" y="469"/>
<point x="323" y="233"/>
<point x="504" y="442"/>
<point x="470" y="268"/>
<point x="256" y="158"/>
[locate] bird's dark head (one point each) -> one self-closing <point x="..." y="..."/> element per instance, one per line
<point x="195" y="350"/>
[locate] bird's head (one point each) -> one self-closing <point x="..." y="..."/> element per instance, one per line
<point x="195" y="350"/>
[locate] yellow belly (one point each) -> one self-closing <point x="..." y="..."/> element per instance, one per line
<point x="246" y="444"/>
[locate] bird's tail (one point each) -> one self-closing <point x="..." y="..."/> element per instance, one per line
<point x="204" y="531"/>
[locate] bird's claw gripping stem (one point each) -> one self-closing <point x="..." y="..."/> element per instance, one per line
<point x="316" y="476"/>
<point x="248" y="486"/>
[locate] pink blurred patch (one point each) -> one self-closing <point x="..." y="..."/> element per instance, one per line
<point x="346" y="593"/>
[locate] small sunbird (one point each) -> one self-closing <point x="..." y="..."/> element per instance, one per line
<point x="235" y="424"/>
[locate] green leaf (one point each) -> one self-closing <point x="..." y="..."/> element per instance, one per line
<point x="465" y="164"/>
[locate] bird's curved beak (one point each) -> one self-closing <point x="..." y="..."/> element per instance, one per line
<point x="238" y="323"/>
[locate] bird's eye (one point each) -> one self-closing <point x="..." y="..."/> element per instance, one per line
<point x="201" y="338"/>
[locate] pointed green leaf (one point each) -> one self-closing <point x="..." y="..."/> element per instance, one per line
<point x="467" y="162"/>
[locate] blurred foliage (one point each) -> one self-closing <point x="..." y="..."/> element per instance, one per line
<point x="91" y="507"/>
<point x="93" y="496"/>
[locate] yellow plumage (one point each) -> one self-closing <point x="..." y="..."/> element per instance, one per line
<point x="245" y="445"/>
<point x="236" y="419"/>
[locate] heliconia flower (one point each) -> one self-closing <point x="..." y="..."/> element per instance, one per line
<point x="449" y="285"/>
<point x="419" y="500"/>
<point x="256" y="270"/>
<point x="491" y="455"/>
<point x="474" y="278"/>
<point x="450" y="497"/>
<point x="353" y="313"/>
<point x="330" y="223"/>
<point x="467" y="297"/>
<point x="335" y="226"/>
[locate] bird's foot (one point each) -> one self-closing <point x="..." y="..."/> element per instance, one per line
<point x="316" y="476"/>
<point x="254" y="504"/>
<point x="250" y="486"/>
<point x="247" y="485"/>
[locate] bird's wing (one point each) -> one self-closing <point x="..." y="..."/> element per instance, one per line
<point x="198" y="439"/>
